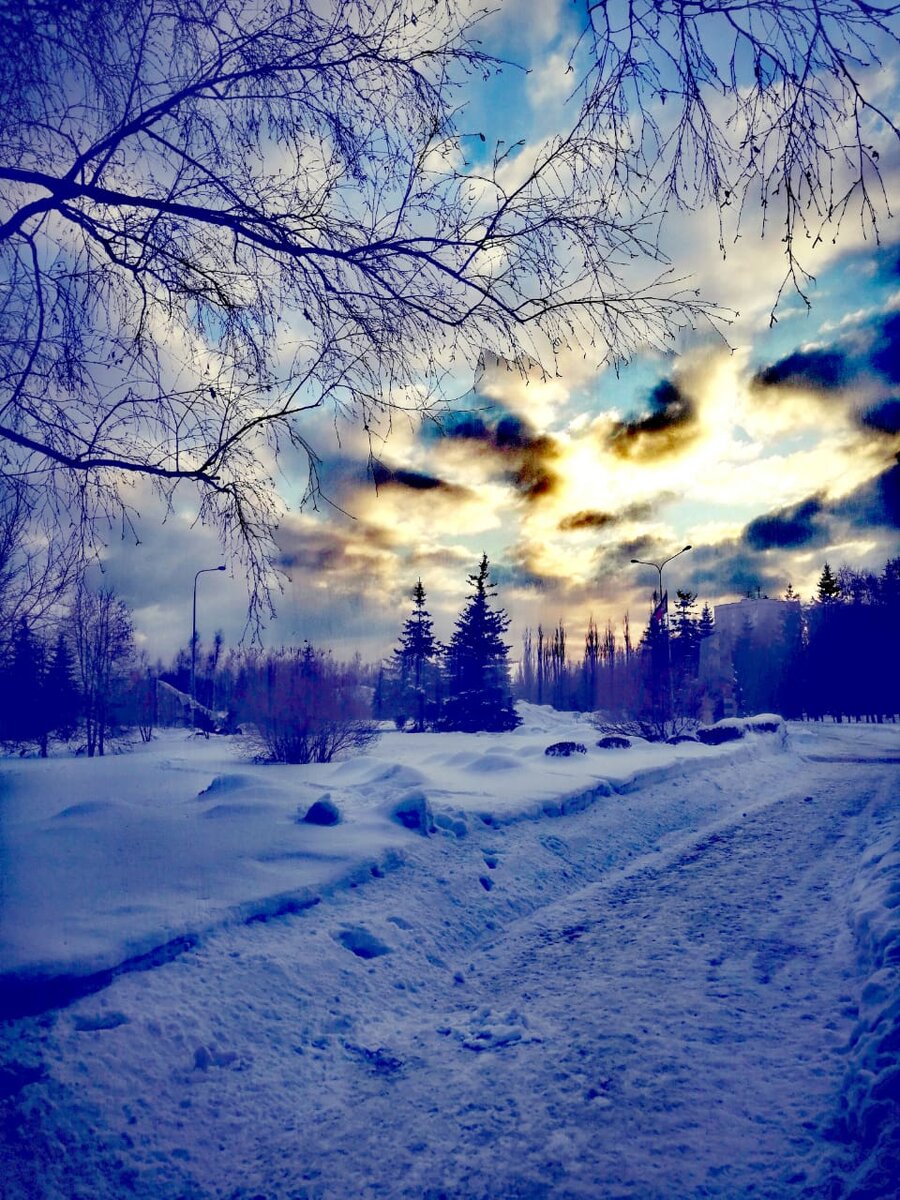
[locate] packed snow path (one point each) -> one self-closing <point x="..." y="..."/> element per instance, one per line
<point x="566" y="1008"/>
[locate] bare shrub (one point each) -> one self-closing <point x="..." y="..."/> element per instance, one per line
<point x="306" y="708"/>
<point x="653" y="727"/>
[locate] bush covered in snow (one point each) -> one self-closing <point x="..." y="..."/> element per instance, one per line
<point x="614" y="741"/>
<point x="565" y="749"/>
<point x="323" y="812"/>
<point x="732" y="729"/>
<point x="412" y="811"/>
<point x="724" y="731"/>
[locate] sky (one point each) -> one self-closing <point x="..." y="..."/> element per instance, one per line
<point x="769" y="448"/>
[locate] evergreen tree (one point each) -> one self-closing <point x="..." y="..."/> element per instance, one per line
<point x="685" y="636"/>
<point x="415" y="661"/>
<point x="25" y="717"/>
<point x="62" y="697"/>
<point x="828" y="589"/>
<point x="479" y="696"/>
<point x="706" y="626"/>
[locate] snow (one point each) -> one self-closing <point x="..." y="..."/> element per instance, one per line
<point x="686" y="984"/>
<point x="105" y="861"/>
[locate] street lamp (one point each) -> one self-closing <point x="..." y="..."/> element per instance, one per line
<point x="659" y="566"/>
<point x="202" y="571"/>
<point x="665" y="624"/>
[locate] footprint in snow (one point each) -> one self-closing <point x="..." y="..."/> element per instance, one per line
<point x="362" y="943"/>
<point x="87" y="1023"/>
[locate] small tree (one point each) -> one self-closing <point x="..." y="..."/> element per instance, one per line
<point x="61" y="691"/>
<point x="706" y="626"/>
<point x="103" y="638"/>
<point x="415" y="663"/>
<point x="828" y="590"/>
<point x="479" y="696"/>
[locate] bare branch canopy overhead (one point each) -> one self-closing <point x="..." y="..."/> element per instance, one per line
<point x="217" y="220"/>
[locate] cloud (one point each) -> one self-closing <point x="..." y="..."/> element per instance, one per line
<point x="883" y="417"/>
<point x="522" y="457"/>
<point x="796" y="525"/>
<point x="592" y="519"/>
<point x="414" y="481"/>
<point x="876" y="503"/>
<point x="810" y="370"/>
<point x="348" y="554"/>
<point x="866" y="354"/>
<point x="669" y="426"/>
<point x="886" y="350"/>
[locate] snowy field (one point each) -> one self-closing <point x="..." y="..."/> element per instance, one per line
<point x="662" y="972"/>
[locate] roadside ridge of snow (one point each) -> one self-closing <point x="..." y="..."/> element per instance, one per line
<point x="868" y="1119"/>
<point x="67" y="928"/>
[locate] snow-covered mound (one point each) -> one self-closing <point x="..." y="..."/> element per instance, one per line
<point x="105" y="861"/>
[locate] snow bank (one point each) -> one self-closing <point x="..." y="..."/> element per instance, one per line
<point x="732" y="729"/>
<point x="869" y="1117"/>
<point x="105" y="863"/>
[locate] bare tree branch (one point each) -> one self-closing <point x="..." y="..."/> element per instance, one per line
<point x="216" y="219"/>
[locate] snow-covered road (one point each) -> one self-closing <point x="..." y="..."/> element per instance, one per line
<point x="657" y="997"/>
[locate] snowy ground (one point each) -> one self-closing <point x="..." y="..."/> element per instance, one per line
<point x="686" y="985"/>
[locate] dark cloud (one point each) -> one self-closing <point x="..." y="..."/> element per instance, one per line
<point x="808" y="370"/>
<point x="814" y="522"/>
<point x="732" y="569"/>
<point x="533" y="476"/>
<point x="350" y="555"/>
<point x="467" y="426"/>
<point x="588" y="519"/>
<point x="876" y="503"/>
<point x="788" y="528"/>
<point x="868" y="352"/>
<point x="640" y="547"/>
<point x="667" y="428"/>
<point x="415" y="481"/>
<point x="525" y="457"/>
<point x="592" y="519"/>
<point x="883" y="417"/>
<point x="886" y="350"/>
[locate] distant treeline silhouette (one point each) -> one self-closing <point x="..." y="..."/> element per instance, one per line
<point x="836" y="655"/>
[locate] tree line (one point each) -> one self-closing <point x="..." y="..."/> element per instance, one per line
<point x="837" y="655"/>
<point x="77" y="677"/>
<point x="72" y="676"/>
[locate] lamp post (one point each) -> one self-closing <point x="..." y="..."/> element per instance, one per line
<point x="659" y="568"/>
<point x="202" y="571"/>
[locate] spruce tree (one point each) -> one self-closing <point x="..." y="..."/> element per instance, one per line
<point x="414" y="661"/>
<point x="25" y="718"/>
<point x="828" y="590"/>
<point x="685" y="635"/>
<point x="479" y="696"/>
<point x="61" y="691"/>
<point x="707" y="625"/>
